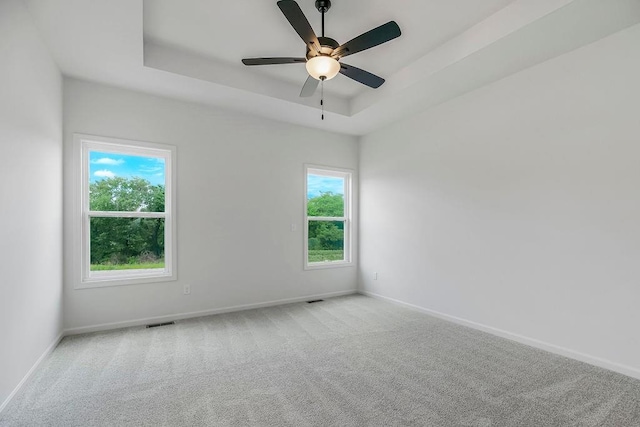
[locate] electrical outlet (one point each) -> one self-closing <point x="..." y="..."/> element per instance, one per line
<point x="187" y="289"/>
<point x="294" y="227"/>
<point x="375" y="276"/>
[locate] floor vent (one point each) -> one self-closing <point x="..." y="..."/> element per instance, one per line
<point x="314" y="300"/>
<point x="161" y="324"/>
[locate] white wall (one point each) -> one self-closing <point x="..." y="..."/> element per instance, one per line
<point x="30" y="197"/>
<point x="517" y="206"/>
<point x="240" y="187"/>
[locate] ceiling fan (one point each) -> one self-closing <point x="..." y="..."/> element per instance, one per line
<point x="324" y="54"/>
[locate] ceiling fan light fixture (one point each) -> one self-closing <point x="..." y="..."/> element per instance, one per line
<point x="323" y="67"/>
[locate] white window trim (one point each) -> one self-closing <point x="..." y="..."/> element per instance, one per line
<point x="347" y="175"/>
<point x="82" y="145"/>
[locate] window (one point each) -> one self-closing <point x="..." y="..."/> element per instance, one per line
<point x="126" y="217"/>
<point x="327" y="239"/>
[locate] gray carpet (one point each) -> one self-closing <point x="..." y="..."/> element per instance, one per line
<point x="350" y="361"/>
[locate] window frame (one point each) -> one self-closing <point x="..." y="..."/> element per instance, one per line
<point x="83" y="145"/>
<point x="347" y="175"/>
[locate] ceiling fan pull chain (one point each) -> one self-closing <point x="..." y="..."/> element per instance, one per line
<point x="322" y="97"/>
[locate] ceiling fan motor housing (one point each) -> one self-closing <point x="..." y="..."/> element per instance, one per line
<point x="327" y="45"/>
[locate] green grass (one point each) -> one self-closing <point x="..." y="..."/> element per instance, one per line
<point x="111" y="267"/>
<point x="323" y="255"/>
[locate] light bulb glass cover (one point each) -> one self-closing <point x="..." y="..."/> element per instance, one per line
<point x="323" y="66"/>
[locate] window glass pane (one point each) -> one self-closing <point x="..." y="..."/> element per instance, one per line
<point x="325" y="195"/>
<point x="326" y="241"/>
<point x="121" y="182"/>
<point x="126" y="243"/>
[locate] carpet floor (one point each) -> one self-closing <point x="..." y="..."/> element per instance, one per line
<point x="349" y="361"/>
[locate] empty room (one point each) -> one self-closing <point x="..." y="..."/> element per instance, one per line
<point x="320" y="213"/>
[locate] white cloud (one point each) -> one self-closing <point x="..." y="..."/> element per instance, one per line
<point x="104" y="174"/>
<point x="146" y="169"/>
<point x="107" y="161"/>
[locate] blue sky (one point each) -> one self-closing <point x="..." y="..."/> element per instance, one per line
<point x="108" y="165"/>
<point x="317" y="184"/>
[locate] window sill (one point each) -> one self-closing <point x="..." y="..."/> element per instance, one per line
<point x="323" y="265"/>
<point x="110" y="280"/>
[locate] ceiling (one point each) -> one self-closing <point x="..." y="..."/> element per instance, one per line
<point x="191" y="50"/>
<point x="257" y="28"/>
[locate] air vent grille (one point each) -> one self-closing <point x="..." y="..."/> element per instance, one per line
<point x="155" y="325"/>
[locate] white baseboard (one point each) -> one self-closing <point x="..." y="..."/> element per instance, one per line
<point x="582" y="357"/>
<point x="48" y="351"/>
<point x="179" y="316"/>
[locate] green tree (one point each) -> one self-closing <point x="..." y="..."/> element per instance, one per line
<point x="326" y="204"/>
<point x="126" y="240"/>
<point x="326" y="235"/>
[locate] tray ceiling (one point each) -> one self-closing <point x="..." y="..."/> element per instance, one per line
<point x="191" y="50"/>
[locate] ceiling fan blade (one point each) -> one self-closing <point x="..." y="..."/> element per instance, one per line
<point x="272" y="61"/>
<point x="299" y="22"/>
<point x="361" y="76"/>
<point x="309" y="87"/>
<point x="371" y="38"/>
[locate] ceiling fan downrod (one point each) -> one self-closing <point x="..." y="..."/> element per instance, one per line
<point x="323" y="7"/>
